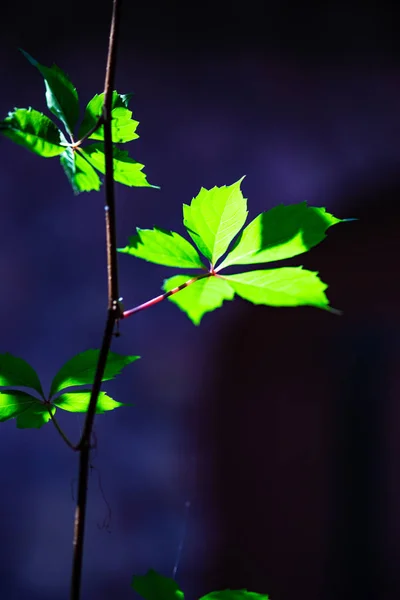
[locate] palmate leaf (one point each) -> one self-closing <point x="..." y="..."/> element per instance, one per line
<point x="153" y="586"/>
<point x="214" y="217"/>
<point x="126" y="170"/>
<point x="123" y="127"/>
<point x="163" y="247"/>
<point x="80" y="173"/>
<point x="33" y="130"/>
<point x="287" y="286"/>
<point x="16" y="372"/>
<point x="26" y="409"/>
<point x="61" y="95"/>
<point x="78" y="402"/>
<point x="234" y="595"/>
<point x="197" y="299"/>
<point x="81" y="369"/>
<point x="282" y="232"/>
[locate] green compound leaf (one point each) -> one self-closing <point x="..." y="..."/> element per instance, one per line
<point x="34" y="131"/>
<point x="30" y="412"/>
<point x="78" y="402"/>
<point x="214" y="217"/>
<point x="205" y="295"/>
<point x="80" y="370"/>
<point x="234" y="595"/>
<point x="153" y="586"/>
<point x="61" y="95"/>
<point x="16" y="372"/>
<point x="288" y="286"/>
<point x="163" y="248"/>
<point x="126" y="170"/>
<point x="282" y="232"/>
<point x="80" y="173"/>
<point x="121" y="120"/>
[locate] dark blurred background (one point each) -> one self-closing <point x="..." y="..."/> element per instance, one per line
<point x="280" y="426"/>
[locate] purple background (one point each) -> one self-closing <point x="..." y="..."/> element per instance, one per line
<point x="279" y="426"/>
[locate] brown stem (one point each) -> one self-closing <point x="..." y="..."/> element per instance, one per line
<point x="113" y="311"/>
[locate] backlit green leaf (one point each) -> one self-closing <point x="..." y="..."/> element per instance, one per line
<point x="123" y="127"/>
<point x="80" y="173"/>
<point x="153" y="586"/>
<point x="34" y="131"/>
<point x="163" y="247"/>
<point x="288" y="286"/>
<point x="29" y="411"/>
<point x="214" y="217"/>
<point x="234" y="595"/>
<point x="80" y="370"/>
<point x="61" y="95"/>
<point x="16" y="372"/>
<point x="126" y="170"/>
<point x="282" y="232"/>
<point x="205" y="295"/>
<point x="78" y="402"/>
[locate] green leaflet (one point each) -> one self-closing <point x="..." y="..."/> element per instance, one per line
<point x="234" y="595"/>
<point x="282" y="232"/>
<point x="214" y="217"/>
<point x="78" y="402"/>
<point x="27" y="410"/>
<point x="33" y="130"/>
<point x="80" y="370"/>
<point x="153" y="586"/>
<point x="61" y="95"/>
<point x="126" y="170"/>
<point x="287" y="286"/>
<point x="163" y="247"/>
<point x="200" y="297"/>
<point x="80" y="173"/>
<point x="16" y="372"/>
<point x="123" y="127"/>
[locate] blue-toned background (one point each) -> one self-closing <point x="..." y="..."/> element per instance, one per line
<point x="280" y="427"/>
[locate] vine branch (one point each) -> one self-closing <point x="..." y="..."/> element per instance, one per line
<point x="113" y="310"/>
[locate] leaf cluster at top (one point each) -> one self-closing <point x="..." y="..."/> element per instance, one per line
<point x="81" y="163"/>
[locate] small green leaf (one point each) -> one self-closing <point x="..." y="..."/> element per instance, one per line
<point x="78" y="402"/>
<point x="123" y="127"/>
<point x="61" y="95"/>
<point x="234" y="595"/>
<point x="16" y="372"/>
<point x="80" y="173"/>
<point x="214" y="217"/>
<point x="282" y="232"/>
<point x="29" y="411"/>
<point x="34" y="131"/>
<point x="126" y="170"/>
<point x="288" y="286"/>
<point x="163" y="247"/>
<point x="80" y="370"/>
<point x="153" y="586"/>
<point x="205" y="295"/>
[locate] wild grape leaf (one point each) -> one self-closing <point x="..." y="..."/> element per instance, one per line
<point x="282" y="232"/>
<point x="61" y="95"/>
<point x="33" y="130"/>
<point x="234" y="595"/>
<point x="80" y="370"/>
<point x="78" y="402"/>
<point x="28" y="410"/>
<point x="205" y="295"/>
<point x="126" y="170"/>
<point x="16" y="372"/>
<point x="288" y="286"/>
<point x="123" y="127"/>
<point x="80" y="173"/>
<point x="153" y="586"/>
<point x="163" y="247"/>
<point x="214" y="217"/>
